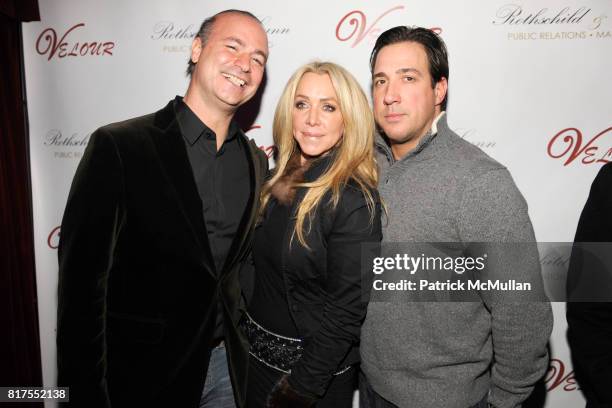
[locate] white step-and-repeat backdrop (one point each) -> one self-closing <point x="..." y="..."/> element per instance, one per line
<point x="529" y="84"/>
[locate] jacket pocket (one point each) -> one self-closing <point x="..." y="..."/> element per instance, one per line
<point x="127" y="328"/>
<point x="307" y="318"/>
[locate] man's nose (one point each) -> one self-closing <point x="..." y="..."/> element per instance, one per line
<point x="243" y="61"/>
<point x="391" y="95"/>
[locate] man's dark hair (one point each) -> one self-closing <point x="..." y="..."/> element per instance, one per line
<point x="206" y="29"/>
<point x="435" y="49"/>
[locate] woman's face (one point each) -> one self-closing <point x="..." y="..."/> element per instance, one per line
<point x="317" y="120"/>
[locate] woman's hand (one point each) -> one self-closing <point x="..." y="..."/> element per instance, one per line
<point x="283" y="395"/>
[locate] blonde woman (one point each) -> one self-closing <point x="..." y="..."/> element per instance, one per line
<point x="318" y="207"/>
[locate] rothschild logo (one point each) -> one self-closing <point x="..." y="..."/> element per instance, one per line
<point x="471" y="135"/>
<point x="66" y="146"/>
<point x="514" y="14"/>
<point x="55" y="137"/>
<point x="168" y="30"/>
<point x="561" y="23"/>
<point x="172" y="32"/>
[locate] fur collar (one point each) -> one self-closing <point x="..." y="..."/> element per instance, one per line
<point x="284" y="189"/>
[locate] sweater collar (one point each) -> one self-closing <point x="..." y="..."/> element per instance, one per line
<point x="425" y="149"/>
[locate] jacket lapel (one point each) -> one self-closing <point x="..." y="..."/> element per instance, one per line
<point x="258" y="169"/>
<point x="173" y="156"/>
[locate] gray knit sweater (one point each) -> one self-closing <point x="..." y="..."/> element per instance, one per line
<point x="450" y="355"/>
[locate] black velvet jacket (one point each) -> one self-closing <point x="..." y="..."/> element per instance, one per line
<point x="325" y="286"/>
<point x="137" y="285"/>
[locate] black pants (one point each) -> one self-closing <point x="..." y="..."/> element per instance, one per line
<point x="262" y="378"/>
<point x="368" y="398"/>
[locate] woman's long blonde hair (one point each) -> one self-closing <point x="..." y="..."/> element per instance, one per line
<point x="354" y="153"/>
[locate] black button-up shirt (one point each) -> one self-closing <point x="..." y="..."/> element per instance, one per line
<point x="222" y="178"/>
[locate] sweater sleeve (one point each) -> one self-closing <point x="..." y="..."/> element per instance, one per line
<point x="494" y="214"/>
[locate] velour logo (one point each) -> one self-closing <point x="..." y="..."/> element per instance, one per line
<point x="53" y="238"/>
<point x="570" y="144"/>
<point x="270" y="151"/>
<point x="360" y="30"/>
<point x="358" y="20"/>
<point x="52" y="45"/>
<point x="557" y="378"/>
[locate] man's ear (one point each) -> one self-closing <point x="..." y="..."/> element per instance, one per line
<point x="440" y="90"/>
<point x="196" y="49"/>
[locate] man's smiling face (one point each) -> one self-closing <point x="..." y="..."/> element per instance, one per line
<point x="230" y="65"/>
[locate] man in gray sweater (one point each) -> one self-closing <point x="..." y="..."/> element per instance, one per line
<point x="439" y="188"/>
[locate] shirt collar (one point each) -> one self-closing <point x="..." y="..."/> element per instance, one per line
<point x="192" y="127"/>
<point x="434" y="125"/>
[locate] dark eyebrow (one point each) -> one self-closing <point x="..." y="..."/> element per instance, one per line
<point x="399" y="71"/>
<point x="406" y="70"/>
<point x="241" y="43"/>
